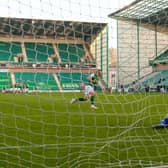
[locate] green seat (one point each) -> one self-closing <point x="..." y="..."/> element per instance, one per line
<point x="71" y="81"/>
<point x="8" y="50"/>
<point x="38" y="52"/>
<point x="5" y="80"/>
<point x="37" y="81"/>
<point x="71" y="52"/>
<point x="156" y="79"/>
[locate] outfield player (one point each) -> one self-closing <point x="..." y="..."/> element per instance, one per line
<point x="88" y="93"/>
<point x="89" y="89"/>
<point x="93" y="79"/>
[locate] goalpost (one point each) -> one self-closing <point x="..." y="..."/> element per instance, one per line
<point x="45" y="55"/>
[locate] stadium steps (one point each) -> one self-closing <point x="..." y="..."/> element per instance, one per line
<point x="12" y="78"/>
<point x="24" y="52"/>
<point x="56" y="52"/>
<point x="88" y="52"/>
<point x="57" y="81"/>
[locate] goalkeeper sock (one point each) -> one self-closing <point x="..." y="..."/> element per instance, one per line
<point x="92" y="99"/>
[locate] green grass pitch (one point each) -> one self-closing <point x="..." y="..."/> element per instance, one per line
<point x="45" y="130"/>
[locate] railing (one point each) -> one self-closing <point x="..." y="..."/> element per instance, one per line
<point x="46" y="65"/>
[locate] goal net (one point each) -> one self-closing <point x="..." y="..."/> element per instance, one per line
<point x="47" y="49"/>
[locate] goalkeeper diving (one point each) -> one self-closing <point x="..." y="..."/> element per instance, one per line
<point x="89" y="89"/>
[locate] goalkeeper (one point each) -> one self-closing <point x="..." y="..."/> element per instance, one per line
<point x="163" y="123"/>
<point x="89" y="89"/>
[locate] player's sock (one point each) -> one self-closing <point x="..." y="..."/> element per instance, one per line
<point x="78" y="100"/>
<point x="92" y="99"/>
<point x="81" y="99"/>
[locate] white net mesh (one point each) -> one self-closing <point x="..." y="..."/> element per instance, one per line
<point x="47" y="49"/>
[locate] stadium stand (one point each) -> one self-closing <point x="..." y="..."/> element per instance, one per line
<point x="27" y="57"/>
<point x="71" y="52"/>
<point x="71" y="81"/>
<point x="9" y="50"/>
<point x="37" y="81"/>
<point x="155" y="80"/>
<point x="5" y="80"/>
<point x="38" y="52"/>
<point x="151" y="80"/>
<point x="162" y="58"/>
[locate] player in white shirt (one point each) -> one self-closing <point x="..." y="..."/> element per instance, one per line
<point x="88" y="93"/>
<point x="89" y="89"/>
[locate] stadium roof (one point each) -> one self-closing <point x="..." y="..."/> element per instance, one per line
<point x="151" y="11"/>
<point x="49" y="28"/>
